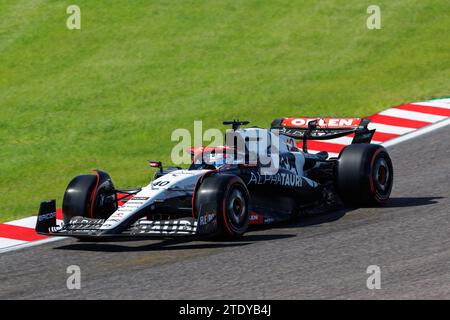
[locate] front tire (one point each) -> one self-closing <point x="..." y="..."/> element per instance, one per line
<point x="89" y="195"/>
<point x="364" y="175"/>
<point x="228" y="196"/>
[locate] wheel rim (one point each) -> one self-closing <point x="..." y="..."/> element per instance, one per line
<point x="236" y="206"/>
<point x="105" y="203"/>
<point x="382" y="175"/>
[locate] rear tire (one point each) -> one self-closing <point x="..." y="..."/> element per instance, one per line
<point x="229" y="198"/>
<point x="364" y="175"/>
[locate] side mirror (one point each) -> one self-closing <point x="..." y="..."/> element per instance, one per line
<point x="156" y="164"/>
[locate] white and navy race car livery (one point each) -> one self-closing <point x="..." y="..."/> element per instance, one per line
<point x="223" y="196"/>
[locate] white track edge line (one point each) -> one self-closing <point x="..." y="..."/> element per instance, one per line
<point x="30" y="244"/>
<point x="417" y="133"/>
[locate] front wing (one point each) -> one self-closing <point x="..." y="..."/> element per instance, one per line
<point x="82" y="227"/>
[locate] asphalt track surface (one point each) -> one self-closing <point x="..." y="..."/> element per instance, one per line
<point x="320" y="257"/>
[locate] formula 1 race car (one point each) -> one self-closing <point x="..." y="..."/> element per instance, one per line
<point x="222" y="197"/>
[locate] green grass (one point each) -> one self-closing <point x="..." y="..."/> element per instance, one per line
<point x="109" y="95"/>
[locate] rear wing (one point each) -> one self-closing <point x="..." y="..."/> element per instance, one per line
<point x="324" y="129"/>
